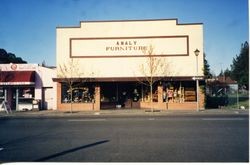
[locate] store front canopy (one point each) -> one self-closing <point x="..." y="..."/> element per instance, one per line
<point x="17" y="77"/>
<point x="127" y="79"/>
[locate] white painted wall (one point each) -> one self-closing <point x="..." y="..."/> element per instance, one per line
<point x="46" y="75"/>
<point x="96" y="32"/>
<point x="43" y="80"/>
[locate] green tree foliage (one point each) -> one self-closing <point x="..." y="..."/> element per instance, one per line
<point x="240" y="66"/>
<point x="6" y="58"/>
<point x="206" y="69"/>
<point x="227" y="73"/>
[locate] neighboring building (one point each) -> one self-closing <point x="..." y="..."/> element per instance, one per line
<point x="221" y="91"/>
<point x="107" y="59"/>
<point x="214" y="86"/>
<point x="27" y="86"/>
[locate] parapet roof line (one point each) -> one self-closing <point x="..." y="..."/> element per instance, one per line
<point x="132" y="20"/>
<point x="136" y="20"/>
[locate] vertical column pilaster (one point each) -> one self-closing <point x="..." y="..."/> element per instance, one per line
<point x="201" y="99"/>
<point x="17" y="99"/>
<point x="59" y="91"/>
<point x="160" y="93"/>
<point x="97" y="104"/>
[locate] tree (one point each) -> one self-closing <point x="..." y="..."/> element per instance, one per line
<point x="44" y="63"/>
<point x="240" y="66"/>
<point x="206" y="68"/>
<point x="155" y="69"/>
<point x="6" y="58"/>
<point x="221" y="73"/>
<point x="227" y="73"/>
<point x="71" y="75"/>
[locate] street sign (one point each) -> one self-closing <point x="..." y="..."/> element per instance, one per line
<point x="197" y="78"/>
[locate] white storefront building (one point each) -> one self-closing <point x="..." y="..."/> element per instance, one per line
<point x="110" y="57"/>
<point x="27" y="86"/>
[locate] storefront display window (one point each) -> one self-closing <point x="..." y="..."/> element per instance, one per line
<point x="179" y="92"/>
<point x="146" y="93"/>
<point x="82" y="93"/>
<point x="120" y="93"/>
<point x="26" y="94"/>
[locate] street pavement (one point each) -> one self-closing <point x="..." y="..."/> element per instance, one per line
<point x="206" y="136"/>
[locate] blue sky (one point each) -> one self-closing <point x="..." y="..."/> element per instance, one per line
<point x="28" y="27"/>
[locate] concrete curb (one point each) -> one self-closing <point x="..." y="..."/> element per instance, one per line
<point x="119" y="113"/>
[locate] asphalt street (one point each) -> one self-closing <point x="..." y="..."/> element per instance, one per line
<point x="203" y="138"/>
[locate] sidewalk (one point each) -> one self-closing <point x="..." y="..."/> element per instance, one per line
<point x="119" y="112"/>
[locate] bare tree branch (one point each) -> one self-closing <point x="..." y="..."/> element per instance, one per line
<point x="71" y="74"/>
<point x="154" y="70"/>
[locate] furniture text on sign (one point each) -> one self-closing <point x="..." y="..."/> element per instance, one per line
<point x="128" y="46"/>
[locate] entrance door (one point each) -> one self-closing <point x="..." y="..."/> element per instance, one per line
<point x="48" y="100"/>
<point x="109" y="98"/>
<point x="118" y="94"/>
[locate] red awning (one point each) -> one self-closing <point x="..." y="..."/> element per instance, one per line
<point x="17" y="77"/>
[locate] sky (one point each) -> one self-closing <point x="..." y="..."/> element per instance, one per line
<point x="28" y="27"/>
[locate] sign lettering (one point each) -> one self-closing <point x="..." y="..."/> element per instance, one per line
<point x="128" y="46"/>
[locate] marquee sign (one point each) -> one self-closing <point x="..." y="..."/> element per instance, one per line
<point x="18" y="67"/>
<point x="128" y="46"/>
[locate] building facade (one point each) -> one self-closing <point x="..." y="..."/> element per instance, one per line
<point x="27" y="86"/>
<point x="115" y="64"/>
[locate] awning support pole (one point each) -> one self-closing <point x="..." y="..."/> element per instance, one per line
<point x="17" y="107"/>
